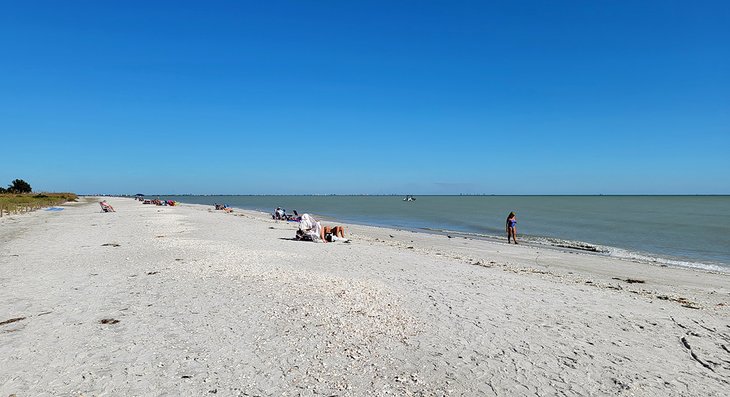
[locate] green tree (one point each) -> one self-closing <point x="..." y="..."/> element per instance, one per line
<point x="19" y="186"/>
<point x="2" y="190"/>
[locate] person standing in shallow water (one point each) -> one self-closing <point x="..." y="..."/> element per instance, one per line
<point x="511" y="227"/>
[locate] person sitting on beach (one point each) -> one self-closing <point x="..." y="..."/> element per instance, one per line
<point x="309" y="229"/>
<point x="106" y="207"/>
<point x="278" y="214"/>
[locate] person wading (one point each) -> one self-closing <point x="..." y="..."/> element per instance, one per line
<point x="511" y="227"/>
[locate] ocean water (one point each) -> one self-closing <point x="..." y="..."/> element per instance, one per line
<point x="675" y="230"/>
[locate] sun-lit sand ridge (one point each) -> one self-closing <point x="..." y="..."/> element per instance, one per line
<point x="189" y="301"/>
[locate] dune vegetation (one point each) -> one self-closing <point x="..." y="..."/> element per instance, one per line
<point x="14" y="203"/>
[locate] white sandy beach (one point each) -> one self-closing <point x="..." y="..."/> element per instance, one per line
<point x="200" y="302"/>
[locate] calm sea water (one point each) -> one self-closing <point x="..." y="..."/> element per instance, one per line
<point x="678" y="230"/>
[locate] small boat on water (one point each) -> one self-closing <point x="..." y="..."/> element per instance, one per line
<point x="409" y="198"/>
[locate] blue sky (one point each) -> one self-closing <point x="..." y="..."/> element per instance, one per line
<point x="441" y="97"/>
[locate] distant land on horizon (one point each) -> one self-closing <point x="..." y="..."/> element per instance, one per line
<point x="414" y="195"/>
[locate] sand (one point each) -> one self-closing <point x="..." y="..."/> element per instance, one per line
<point x="191" y="301"/>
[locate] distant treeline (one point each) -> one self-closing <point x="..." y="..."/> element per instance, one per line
<point x="17" y="186"/>
<point x="18" y="198"/>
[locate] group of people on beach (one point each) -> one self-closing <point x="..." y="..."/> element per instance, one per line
<point x="223" y="207"/>
<point x="310" y="229"/>
<point x="156" y="201"/>
<point x="280" y="214"/>
<point x="106" y="207"/>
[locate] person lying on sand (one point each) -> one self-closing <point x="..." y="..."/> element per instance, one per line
<point x="294" y="218"/>
<point x="332" y="234"/>
<point x="311" y="230"/>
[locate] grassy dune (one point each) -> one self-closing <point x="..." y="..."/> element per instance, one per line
<point x="18" y="203"/>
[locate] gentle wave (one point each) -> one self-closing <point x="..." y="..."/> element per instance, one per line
<point x="590" y="248"/>
<point x="646" y="258"/>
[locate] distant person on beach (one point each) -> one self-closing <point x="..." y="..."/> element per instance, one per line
<point x="294" y="218"/>
<point x="279" y="213"/>
<point x="511" y="227"/>
<point x="223" y="207"/>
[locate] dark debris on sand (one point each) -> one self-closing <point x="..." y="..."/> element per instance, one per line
<point x="12" y="320"/>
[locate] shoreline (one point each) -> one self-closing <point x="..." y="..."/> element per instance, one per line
<point x="639" y="253"/>
<point x="609" y="270"/>
<point x="571" y="246"/>
<point x="188" y="301"/>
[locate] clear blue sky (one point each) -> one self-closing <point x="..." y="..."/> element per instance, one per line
<point x="442" y="97"/>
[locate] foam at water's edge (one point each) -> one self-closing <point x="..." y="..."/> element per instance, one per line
<point x="596" y="249"/>
<point x="641" y="257"/>
<point x="570" y="244"/>
<point x="628" y="254"/>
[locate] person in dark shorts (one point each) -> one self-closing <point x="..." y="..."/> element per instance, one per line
<point x="331" y="234"/>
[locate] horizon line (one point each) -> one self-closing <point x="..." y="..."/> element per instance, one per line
<point x="418" y="195"/>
